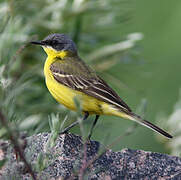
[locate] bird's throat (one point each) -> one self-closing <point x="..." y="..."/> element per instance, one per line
<point x="52" y="53"/>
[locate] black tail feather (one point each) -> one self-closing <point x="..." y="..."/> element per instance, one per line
<point x="150" y="125"/>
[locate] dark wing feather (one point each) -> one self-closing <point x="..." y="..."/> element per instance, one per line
<point x="76" y="75"/>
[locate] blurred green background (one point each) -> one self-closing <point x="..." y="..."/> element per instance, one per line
<point x="133" y="45"/>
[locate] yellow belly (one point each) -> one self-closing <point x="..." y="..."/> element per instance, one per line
<point x="66" y="96"/>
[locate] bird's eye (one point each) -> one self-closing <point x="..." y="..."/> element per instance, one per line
<point x="54" y="42"/>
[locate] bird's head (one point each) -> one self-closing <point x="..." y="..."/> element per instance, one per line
<point x="57" y="45"/>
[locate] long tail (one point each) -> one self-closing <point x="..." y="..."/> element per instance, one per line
<point x="138" y="119"/>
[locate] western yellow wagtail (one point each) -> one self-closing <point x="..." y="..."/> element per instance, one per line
<point x="67" y="77"/>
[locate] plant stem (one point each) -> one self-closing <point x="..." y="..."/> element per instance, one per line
<point x="17" y="147"/>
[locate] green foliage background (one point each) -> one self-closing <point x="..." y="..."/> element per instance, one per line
<point x="150" y="70"/>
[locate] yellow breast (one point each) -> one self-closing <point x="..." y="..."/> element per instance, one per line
<point x="66" y="95"/>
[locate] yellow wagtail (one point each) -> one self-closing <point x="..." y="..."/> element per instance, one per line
<point x="67" y="77"/>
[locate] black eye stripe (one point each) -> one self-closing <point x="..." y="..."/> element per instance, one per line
<point x="53" y="42"/>
<point x="59" y="44"/>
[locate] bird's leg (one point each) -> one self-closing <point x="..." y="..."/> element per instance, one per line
<point x="93" y="125"/>
<point x="75" y="123"/>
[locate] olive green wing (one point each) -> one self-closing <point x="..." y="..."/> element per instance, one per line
<point x="76" y="75"/>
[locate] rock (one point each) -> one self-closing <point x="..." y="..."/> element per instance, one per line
<point x="70" y="158"/>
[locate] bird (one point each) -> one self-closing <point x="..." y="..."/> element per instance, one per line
<point x="68" y="77"/>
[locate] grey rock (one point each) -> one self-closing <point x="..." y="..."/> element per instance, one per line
<point x="71" y="158"/>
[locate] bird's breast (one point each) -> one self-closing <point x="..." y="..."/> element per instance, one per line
<point x="66" y="96"/>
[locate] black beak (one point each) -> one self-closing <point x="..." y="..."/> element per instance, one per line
<point x="41" y="43"/>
